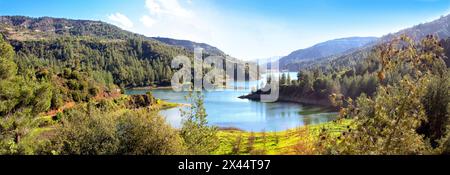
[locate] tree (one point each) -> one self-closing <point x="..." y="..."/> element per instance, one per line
<point x="8" y="68"/>
<point x="43" y="98"/>
<point x="436" y="103"/>
<point x="389" y="122"/>
<point x="9" y="91"/>
<point x="198" y="136"/>
<point x="283" y="80"/>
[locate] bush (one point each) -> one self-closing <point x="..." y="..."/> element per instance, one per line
<point x="77" y="96"/>
<point x="57" y="99"/>
<point x="85" y="134"/>
<point x="93" y="132"/>
<point x="142" y="134"/>
<point x="93" y="91"/>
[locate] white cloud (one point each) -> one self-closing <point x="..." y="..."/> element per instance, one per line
<point x="240" y="36"/>
<point x="244" y="35"/>
<point x="174" y="19"/>
<point x="147" y="21"/>
<point x="121" y="20"/>
<point x="167" y="7"/>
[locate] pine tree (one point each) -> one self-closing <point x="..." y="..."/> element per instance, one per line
<point x="198" y="136"/>
<point x="389" y="122"/>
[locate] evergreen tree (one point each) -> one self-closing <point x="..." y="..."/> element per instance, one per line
<point x="391" y="122"/>
<point x="200" y="138"/>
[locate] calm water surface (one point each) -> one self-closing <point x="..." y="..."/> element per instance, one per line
<point x="225" y="109"/>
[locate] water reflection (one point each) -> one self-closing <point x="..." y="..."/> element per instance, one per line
<point x="225" y="109"/>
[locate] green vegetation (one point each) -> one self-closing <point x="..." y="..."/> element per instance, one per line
<point x="409" y="114"/>
<point x="100" y="49"/>
<point x="89" y="131"/>
<point x="303" y="140"/>
<point x="398" y="98"/>
<point x="60" y="93"/>
<point x="131" y="63"/>
<point x="200" y="138"/>
<point x="53" y="109"/>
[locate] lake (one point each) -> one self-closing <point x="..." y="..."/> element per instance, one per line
<point x="226" y="110"/>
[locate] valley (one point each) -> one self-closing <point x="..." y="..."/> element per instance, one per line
<point x="75" y="87"/>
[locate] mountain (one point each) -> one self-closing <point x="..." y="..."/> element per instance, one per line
<point x="325" y="49"/>
<point x="132" y="59"/>
<point x="27" y="28"/>
<point x="439" y="28"/>
<point x="190" y="45"/>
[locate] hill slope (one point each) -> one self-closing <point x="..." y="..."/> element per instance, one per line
<point x="132" y="59"/>
<point x="27" y="28"/>
<point x="190" y="45"/>
<point x="439" y="28"/>
<point x="325" y="49"/>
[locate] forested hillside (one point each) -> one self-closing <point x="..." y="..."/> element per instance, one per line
<point x="439" y="28"/>
<point x="63" y="107"/>
<point x="61" y="80"/>
<point x="132" y="60"/>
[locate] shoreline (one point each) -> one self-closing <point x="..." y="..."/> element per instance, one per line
<point x="321" y="103"/>
<point x="151" y="88"/>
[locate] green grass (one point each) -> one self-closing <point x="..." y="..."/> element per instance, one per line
<point x="33" y="139"/>
<point x="301" y="140"/>
<point x="163" y="105"/>
<point x="312" y="110"/>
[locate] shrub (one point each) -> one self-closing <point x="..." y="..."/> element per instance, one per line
<point x="93" y="132"/>
<point x="141" y="133"/>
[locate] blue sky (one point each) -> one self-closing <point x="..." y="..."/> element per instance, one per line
<point x="246" y="29"/>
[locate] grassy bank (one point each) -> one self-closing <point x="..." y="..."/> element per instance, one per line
<point x="301" y="140"/>
<point x="163" y="105"/>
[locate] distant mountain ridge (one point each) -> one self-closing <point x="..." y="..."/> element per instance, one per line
<point x="439" y="27"/>
<point x="325" y="49"/>
<point x="190" y="45"/>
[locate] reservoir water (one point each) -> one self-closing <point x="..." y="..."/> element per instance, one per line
<point x="226" y="110"/>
